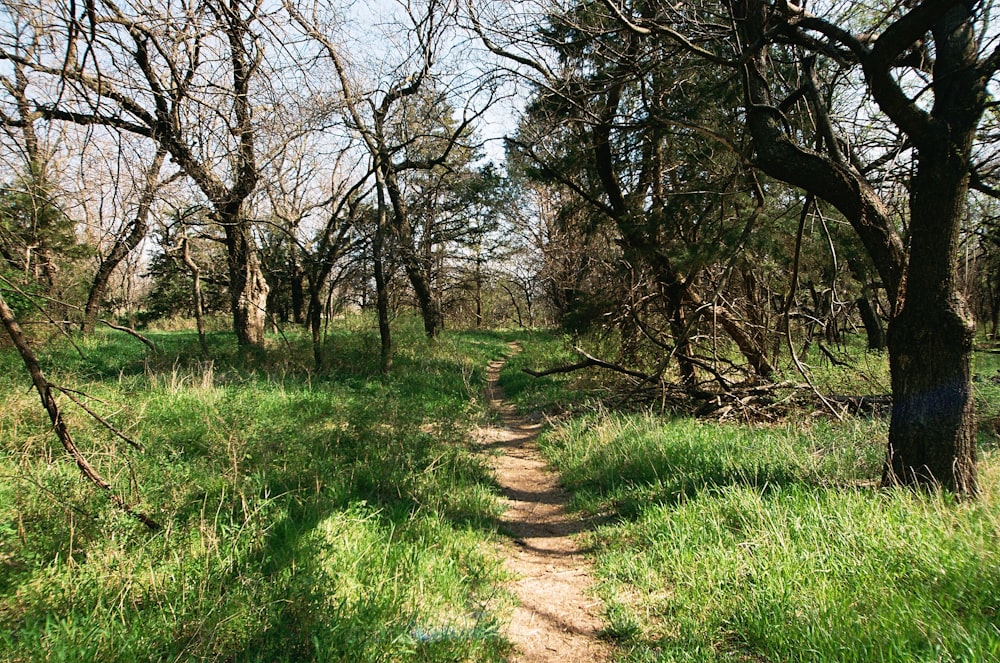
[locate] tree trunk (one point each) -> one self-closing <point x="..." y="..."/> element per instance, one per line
<point x="247" y="286"/>
<point x="123" y="245"/>
<point x="314" y="312"/>
<point x="872" y="323"/>
<point x="932" y="433"/>
<point x="196" y="297"/>
<point x="382" y="288"/>
<point x="932" y="436"/>
<point x="416" y="270"/>
<point x="298" y="299"/>
<point x="479" y="292"/>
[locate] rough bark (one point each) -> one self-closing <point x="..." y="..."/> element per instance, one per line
<point x="247" y="286"/>
<point x="932" y="439"/>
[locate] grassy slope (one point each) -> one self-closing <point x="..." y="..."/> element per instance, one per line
<point x="742" y="543"/>
<point x="307" y="517"/>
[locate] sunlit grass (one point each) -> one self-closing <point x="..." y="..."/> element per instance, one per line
<point x="307" y="515"/>
<point x="725" y="542"/>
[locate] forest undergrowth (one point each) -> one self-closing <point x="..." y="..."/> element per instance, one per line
<point x="342" y="515"/>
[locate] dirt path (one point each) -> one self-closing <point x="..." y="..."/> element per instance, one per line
<point x="556" y="620"/>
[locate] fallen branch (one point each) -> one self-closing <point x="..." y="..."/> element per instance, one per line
<point x="558" y="369"/>
<point x="44" y="390"/>
<point x="833" y="359"/>
<point x="128" y="330"/>
<point x="587" y="362"/>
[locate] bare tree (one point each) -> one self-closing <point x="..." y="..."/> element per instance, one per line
<point x="183" y="77"/>
<point x="395" y="145"/>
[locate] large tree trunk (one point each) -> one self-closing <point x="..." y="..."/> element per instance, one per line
<point x="932" y="433"/>
<point x="247" y="285"/>
<point x="932" y="437"/>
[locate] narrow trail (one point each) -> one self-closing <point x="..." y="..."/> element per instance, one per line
<point x="556" y="619"/>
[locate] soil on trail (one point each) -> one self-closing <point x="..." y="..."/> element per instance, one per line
<point x="557" y="620"/>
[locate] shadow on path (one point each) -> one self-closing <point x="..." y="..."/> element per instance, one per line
<point x="557" y="619"/>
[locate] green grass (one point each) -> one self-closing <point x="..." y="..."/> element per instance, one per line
<point x="340" y="514"/>
<point x="553" y="394"/>
<point x="738" y="543"/>
<point x="323" y="516"/>
<point x="725" y="542"/>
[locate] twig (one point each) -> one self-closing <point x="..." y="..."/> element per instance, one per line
<point x="104" y="422"/>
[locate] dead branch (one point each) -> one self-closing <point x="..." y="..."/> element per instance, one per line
<point x="104" y="422"/>
<point x="44" y="389"/>
<point x="558" y="369"/>
<point x="833" y="359"/>
<point x="128" y="330"/>
<point x="587" y="362"/>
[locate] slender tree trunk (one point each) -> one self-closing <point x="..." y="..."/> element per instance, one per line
<point x="196" y="297"/>
<point x="416" y="270"/>
<point x="680" y="332"/>
<point x="479" y="292"/>
<point x="382" y="288"/>
<point x="123" y="245"/>
<point x="298" y="295"/>
<point x="314" y="314"/>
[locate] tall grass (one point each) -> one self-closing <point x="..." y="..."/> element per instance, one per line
<point x="724" y="543"/>
<point x="308" y="516"/>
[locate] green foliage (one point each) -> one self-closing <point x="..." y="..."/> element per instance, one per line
<point x="171" y="291"/>
<point x="39" y="250"/>
<point x="307" y="516"/>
